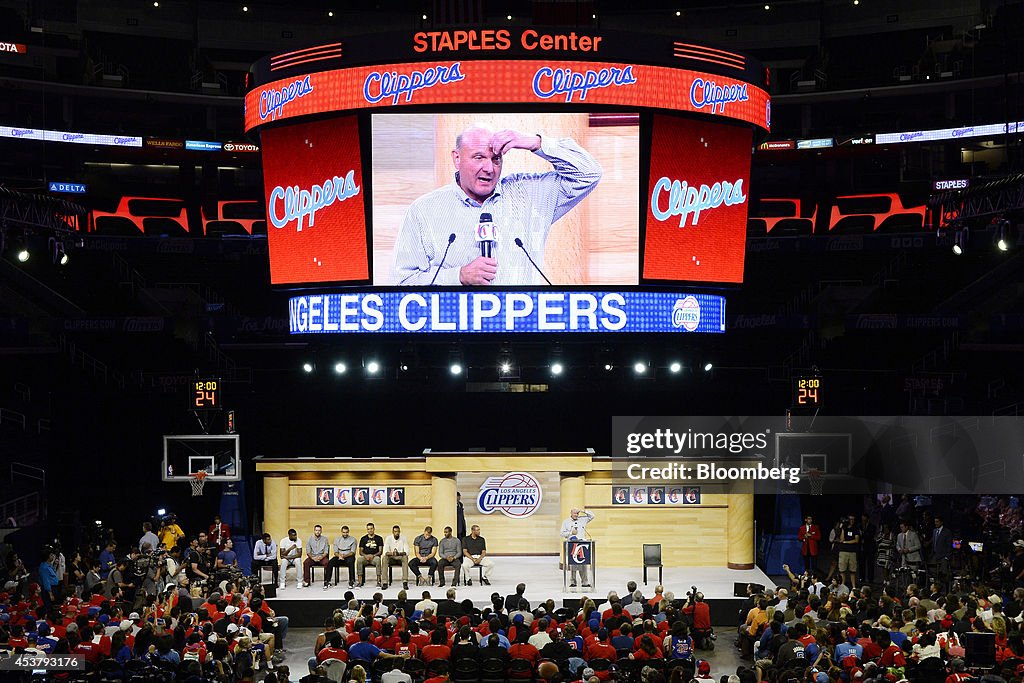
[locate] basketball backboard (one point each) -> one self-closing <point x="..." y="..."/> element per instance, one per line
<point x="217" y="455"/>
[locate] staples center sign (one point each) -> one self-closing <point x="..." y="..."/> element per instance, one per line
<point x="16" y="48"/>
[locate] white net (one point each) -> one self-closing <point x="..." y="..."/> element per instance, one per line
<point x="198" y="480"/>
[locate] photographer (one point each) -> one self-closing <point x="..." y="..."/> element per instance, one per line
<point x="197" y="565"/>
<point x="146" y="568"/>
<point x="698" y="613"/>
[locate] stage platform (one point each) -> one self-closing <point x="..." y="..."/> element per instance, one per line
<point x="307" y="607"/>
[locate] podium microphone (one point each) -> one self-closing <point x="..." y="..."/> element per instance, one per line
<point x="519" y="243"/>
<point x="451" y="238"/>
<point x="485" y="234"/>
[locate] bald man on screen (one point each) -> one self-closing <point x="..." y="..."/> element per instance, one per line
<point x="522" y="205"/>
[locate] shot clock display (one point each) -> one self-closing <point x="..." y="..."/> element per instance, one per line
<point x="205" y="394"/>
<point x="807" y="392"/>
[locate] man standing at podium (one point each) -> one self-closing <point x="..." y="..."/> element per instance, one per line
<point x="575" y="528"/>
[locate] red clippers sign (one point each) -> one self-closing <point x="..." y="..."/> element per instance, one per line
<point x="316" y="222"/>
<point x="697" y="201"/>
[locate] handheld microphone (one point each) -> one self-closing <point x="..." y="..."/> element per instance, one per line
<point x="485" y="234"/>
<point x="451" y="238"/>
<point x="519" y="243"/>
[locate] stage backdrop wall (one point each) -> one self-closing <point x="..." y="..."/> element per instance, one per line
<point x="716" y="531"/>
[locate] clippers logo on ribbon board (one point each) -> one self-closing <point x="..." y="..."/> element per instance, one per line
<point x="697" y="201"/>
<point x="656" y="495"/>
<point x="527" y="81"/>
<point x="316" y="221"/>
<point x="347" y="496"/>
<point x="516" y="494"/>
<point x="580" y="553"/>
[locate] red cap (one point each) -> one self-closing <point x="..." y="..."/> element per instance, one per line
<point x="851" y="633"/>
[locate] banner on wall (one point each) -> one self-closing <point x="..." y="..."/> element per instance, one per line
<point x="369" y="496"/>
<point x="656" y="495"/>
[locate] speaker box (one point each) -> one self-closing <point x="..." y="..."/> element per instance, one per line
<point x="739" y="590"/>
<point x="270" y="590"/>
<point x="979" y="649"/>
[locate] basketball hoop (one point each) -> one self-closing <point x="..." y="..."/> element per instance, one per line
<point x="197" y="480"/>
<point x="817" y="481"/>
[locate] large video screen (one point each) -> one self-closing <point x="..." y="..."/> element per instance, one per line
<point x="316" y="219"/>
<point x="506" y="200"/>
<point x="561" y="191"/>
<point x="697" y="201"/>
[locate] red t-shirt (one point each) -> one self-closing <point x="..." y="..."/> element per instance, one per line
<point x="640" y="654"/>
<point x="331" y="653"/>
<point x="432" y="652"/>
<point x="601" y="650"/>
<point x="90" y="651"/>
<point x="411" y="650"/>
<point x="524" y="651"/>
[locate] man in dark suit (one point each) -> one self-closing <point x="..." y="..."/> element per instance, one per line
<point x="942" y="549"/>
<point x="449" y="607"/>
<point x="460" y="517"/>
<point x="513" y="600"/>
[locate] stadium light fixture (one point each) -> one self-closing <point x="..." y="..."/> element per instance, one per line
<point x="639" y="367"/>
<point x="340" y="368"/>
<point x="557" y="368"/>
<point x="675" y="367"/>
<point x="708" y="367"/>
<point x="24" y="255"/>
<point x="373" y="367"/>
<point x="307" y="367"/>
<point x="455" y="368"/>
<point x="159" y="513"/>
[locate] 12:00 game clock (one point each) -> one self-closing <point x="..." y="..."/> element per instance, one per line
<point x="205" y="394"/>
<point x="807" y="392"/>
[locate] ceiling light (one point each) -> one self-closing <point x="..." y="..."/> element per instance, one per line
<point x="340" y="368"/>
<point x="373" y="367"/>
<point x="675" y="366"/>
<point x="455" y="368"/>
<point x="556" y="369"/>
<point x="708" y="367"/>
<point x="307" y="367"/>
<point x="639" y="367"/>
<point x="23" y="255"/>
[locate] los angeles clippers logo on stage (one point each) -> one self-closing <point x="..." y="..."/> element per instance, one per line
<point x="656" y="495"/>
<point x="579" y="553"/>
<point x="396" y="496"/>
<point x="674" y="496"/>
<point x="324" y="495"/>
<point x="639" y="496"/>
<point x="620" y="495"/>
<point x="361" y="496"/>
<point x="344" y="496"/>
<point x="379" y="496"/>
<point x="691" y="495"/>
<point x="516" y="494"/>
